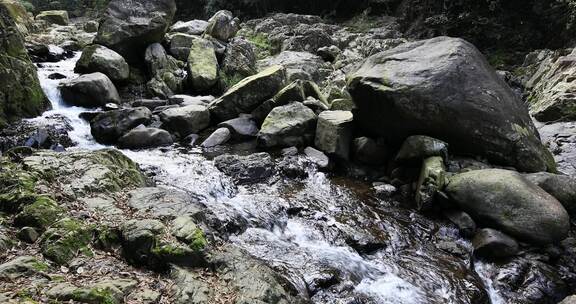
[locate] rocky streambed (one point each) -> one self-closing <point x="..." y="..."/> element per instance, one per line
<point x="256" y="171"/>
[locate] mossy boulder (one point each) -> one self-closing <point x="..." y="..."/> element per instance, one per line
<point x="507" y="201"/>
<point x="202" y="65"/>
<point x="289" y="125"/>
<point x="16" y="188"/>
<point x="40" y="214"/>
<point x="97" y="58"/>
<point x="65" y="239"/>
<point x="185" y="230"/>
<point x="54" y="17"/>
<point x="80" y="173"/>
<point x="102" y="292"/>
<point x="21" y="95"/>
<point x="129" y="26"/>
<point x="19" y="14"/>
<point x="248" y="94"/>
<point x="21" y="266"/>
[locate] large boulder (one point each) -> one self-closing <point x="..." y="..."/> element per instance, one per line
<point x="202" y="65"/>
<point x="192" y="27"/>
<point x="186" y="120"/>
<point x="249" y="169"/>
<point x="129" y="26"/>
<point x="299" y="65"/>
<point x="334" y="133"/>
<point x="287" y="126"/>
<point x="21" y="94"/>
<point x="445" y="88"/>
<point x="239" y="60"/>
<point x="54" y="17"/>
<point x="249" y="93"/>
<point x="108" y="127"/>
<point x="180" y="45"/>
<point x="90" y="90"/>
<point x="552" y="97"/>
<point x="167" y="73"/>
<point x="144" y="138"/>
<point x="97" y="58"/>
<point x="223" y="26"/>
<point x="507" y="201"/>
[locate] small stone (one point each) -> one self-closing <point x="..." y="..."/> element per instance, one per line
<point x="465" y="223"/>
<point x="334" y="133"/>
<point x="318" y="157"/>
<point x="384" y="191"/>
<point x="217" y="138"/>
<point x="493" y="244"/>
<point x="28" y="235"/>
<point x="419" y="147"/>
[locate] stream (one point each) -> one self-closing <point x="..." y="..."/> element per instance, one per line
<point x="328" y="236"/>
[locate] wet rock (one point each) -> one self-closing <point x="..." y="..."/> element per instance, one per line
<point x="66" y="239"/>
<point x="128" y="27"/>
<point x="249" y="169"/>
<point x="192" y="27"/>
<point x="416" y="148"/>
<point x="202" y="65"/>
<point x="509" y="202"/>
<point x="54" y="17"/>
<point x="241" y="127"/>
<point x="432" y="179"/>
<point x="239" y="60"/>
<point x="248" y="94"/>
<point x="90" y="90"/>
<point x="97" y="58"/>
<point x="156" y="58"/>
<point x="465" y="223"/>
<point x="291" y="151"/>
<point x="20" y="78"/>
<point x="109" y="126"/>
<point x="493" y="244"/>
<point x="383" y="190"/>
<point x="217" y="138"/>
<point x="186" y="120"/>
<point x="367" y="151"/>
<point x="21" y="266"/>
<point x="334" y="133"/>
<point x="163" y="202"/>
<point x="223" y="26"/>
<point x="180" y="45"/>
<point x="299" y="65"/>
<point x="318" y="158"/>
<point x="388" y="97"/>
<point x="286" y="126"/>
<point x="145" y="138"/>
<point x="529" y="280"/>
<point x="562" y="187"/>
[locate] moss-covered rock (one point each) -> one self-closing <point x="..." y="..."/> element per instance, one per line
<point x="65" y="240"/>
<point x="16" y="188"/>
<point x="185" y="230"/>
<point x="202" y="65"/>
<point x="40" y="214"/>
<point x="54" y="17"/>
<point x="21" y="94"/>
<point x="79" y="173"/>
<point x="21" y="266"/>
<point x="103" y="292"/>
<point x="19" y="14"/>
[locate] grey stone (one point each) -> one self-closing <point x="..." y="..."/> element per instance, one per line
<point x="286" y="126"/>
<point x="186" y="120"/>
<point x="90" y="90"/>
<point x="145" y="138"/>
<point x="217" y="138"/>
<point x="493" y="244"/>
<point x="334" y="133"/>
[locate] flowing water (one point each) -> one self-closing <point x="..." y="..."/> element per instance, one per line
<point x="328" y="236"/>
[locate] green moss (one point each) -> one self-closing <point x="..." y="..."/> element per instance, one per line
<point x="65" y="240"/>
<point x="16" y="188"/>
<point x="229" y="81"/>
<point x="264" y="47"/>
<point x="94" y="295"/>
<point x="40" y="266"/>
<point x="168" y="250"/>
<point x="40" y="214"/>
<point x="199" y="241"/>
